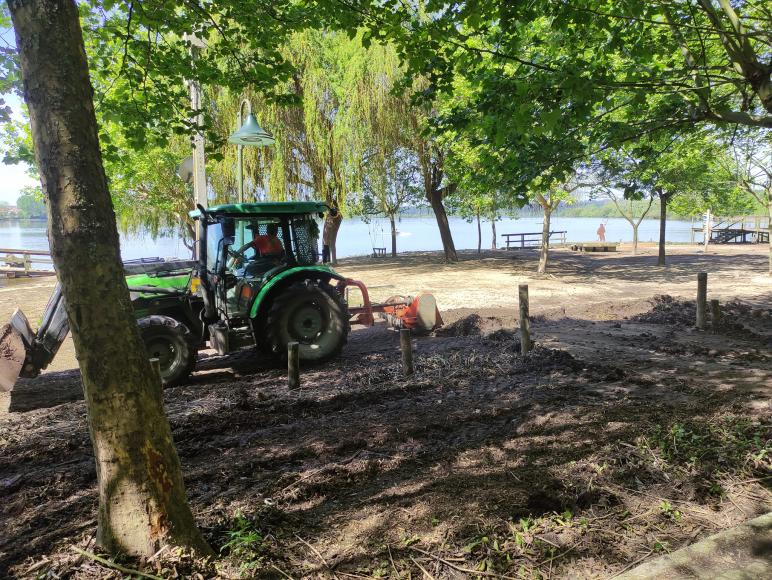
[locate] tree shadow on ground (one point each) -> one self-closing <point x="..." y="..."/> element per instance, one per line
<point x="361" y="457"/>
<point x="680" y="267"/>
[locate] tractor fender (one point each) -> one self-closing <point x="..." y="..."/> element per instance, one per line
<point x="265" y="295"/>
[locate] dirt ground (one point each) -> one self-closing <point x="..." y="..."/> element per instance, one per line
<point x="624" y="434"/>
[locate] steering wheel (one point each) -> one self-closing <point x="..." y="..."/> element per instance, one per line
<point x="238" y="257"/>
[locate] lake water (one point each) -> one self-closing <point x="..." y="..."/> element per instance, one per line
<point x="357" y="238"/>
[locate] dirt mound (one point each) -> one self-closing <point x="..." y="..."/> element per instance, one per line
<point x="503" y="335"/>
<point x="669" y="310"/>
<point x="737" y="318"/>
<point x="548" y="359"/>
<point x="471" y="325"/>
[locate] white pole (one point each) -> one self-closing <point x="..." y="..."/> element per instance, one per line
<point x="199" y="161"/>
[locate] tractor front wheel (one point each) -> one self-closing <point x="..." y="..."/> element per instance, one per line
<point x="312" y="314"/>
<point x="172" y="343"/>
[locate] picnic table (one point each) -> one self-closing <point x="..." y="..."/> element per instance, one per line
<point x="530" y="239"/>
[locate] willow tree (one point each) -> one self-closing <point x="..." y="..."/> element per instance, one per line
<point x="390" y="167"/>
<point x="321" y="132"/>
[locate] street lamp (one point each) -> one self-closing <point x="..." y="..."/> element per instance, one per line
<point x="250" y="134"/>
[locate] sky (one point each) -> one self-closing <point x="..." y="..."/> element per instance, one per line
<point x="12" y="177"/>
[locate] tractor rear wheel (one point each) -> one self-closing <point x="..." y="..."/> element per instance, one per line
<point x="172" y="343"/>
<point x="312" y="314"/>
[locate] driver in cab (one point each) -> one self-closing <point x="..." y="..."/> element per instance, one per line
<point x="266" y="246"/>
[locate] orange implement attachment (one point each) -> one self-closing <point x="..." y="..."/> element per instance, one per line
<point x="419" y="313"/>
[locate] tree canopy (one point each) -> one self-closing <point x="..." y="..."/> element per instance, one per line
<point x="491" y="98"/>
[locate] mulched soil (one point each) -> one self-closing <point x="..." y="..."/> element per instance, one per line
<point x="611" y="442"/>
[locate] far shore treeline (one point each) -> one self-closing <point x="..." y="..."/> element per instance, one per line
<point x="29" y="205"/>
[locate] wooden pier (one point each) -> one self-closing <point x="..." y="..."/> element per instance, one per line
<point x="22" y="263"/>
<point x="737" y="230"/>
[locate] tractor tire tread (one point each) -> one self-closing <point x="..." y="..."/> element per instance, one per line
<point x="271" y="324"/>
<point x="174" y="326"/>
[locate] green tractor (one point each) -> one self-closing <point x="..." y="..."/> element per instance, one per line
<point x="237" y="294"/>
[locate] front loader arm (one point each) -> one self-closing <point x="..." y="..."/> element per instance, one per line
<point x="50" y="335"/>
<point x="24" y="352"/>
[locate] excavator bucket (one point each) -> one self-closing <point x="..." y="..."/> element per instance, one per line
<point x="14" y="338"/>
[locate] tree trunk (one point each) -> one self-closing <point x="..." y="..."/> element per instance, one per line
<point x="393" y="237"/>
<point x="479" y="235"/>
<point x="493" y="233"/>
<point x="769" y="234"/>
<point x="663" y="199"/>
<point x="545" y="241"/>
<point x="330" y="234"/>
<point x="435" y="199"/>
<point x="635" y="237"/>
<point x="707" y="230"/>
<point x="142" y="503"/>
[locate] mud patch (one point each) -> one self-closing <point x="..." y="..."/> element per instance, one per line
<point x="571" y="461"/>
<point x="736" y="317"/>
<point x="468" y="326"/>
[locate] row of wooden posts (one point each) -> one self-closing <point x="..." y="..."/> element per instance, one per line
<point x="406" y="343"/>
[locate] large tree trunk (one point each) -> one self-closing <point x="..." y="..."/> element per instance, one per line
<point x="393" y="236"/>
<point x="493" y="233"/>
<point x="330" y="234"/>
<point x="479" y="235"/>
<point x="663" y="199"/>
<point x="435" y="199"/>
<point x="142" y="503"/>
<point x="544" y="251"/>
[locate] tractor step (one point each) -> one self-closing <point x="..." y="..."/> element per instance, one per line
<point x="225" y="340"/>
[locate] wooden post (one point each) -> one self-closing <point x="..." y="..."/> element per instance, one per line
<point x="715" y="315"/>
<point x="406" y="345"/>
<point x="702" y="297"/>
<point x="293" y="365"/>
<point x="155" y="364"/>
<point x="525" y="321"/>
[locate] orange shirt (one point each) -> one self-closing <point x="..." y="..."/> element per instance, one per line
<point x="268" y="245"/>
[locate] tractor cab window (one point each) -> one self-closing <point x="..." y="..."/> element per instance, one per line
<point x="260" y="245"/>
<point x="214" y="246"/>
<point x="305" y="230"/>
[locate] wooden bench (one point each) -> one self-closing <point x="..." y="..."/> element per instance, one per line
<point x="530" y="239"/>
<point x="379" y="252"/>
<point x="595" y="247"/>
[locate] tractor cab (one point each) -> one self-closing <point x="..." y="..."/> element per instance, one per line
<point x="248" y="253"/>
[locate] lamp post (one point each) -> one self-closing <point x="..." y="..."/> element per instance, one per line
<point x="249" y="134"/>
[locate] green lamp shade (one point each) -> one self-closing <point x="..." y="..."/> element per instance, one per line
<point x="251" y="133"/>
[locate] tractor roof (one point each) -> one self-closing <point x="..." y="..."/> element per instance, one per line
<point x="269" y="208"/>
